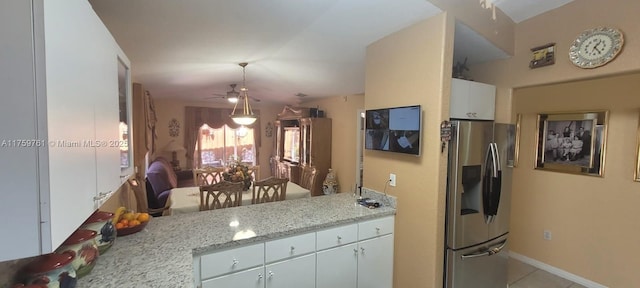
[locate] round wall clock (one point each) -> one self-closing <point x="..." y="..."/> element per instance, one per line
<point x="174" y="128"/>
<point x="596" y="47"/>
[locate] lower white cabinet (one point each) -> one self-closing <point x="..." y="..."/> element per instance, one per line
<point x="375" y="262"/>
<point x="350" y="256"/>
<point x="337" y="267"/>
<point x="252" y="278"/>
<point x="297" y="272"/>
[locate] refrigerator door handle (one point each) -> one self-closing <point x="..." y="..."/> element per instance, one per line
<point x="490" y="251"/>
<point x="492" y="183"/>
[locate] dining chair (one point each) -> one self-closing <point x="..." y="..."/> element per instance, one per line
<point x="269" y="190"/>
<point x="142" y="204"/>
<point x="223" y="194"/>
<point x="254" y="171"/>
<point x="207" y="176"/>
<point x="308" y="178"/>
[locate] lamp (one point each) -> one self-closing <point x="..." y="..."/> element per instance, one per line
<point x="247" y="117"/>
<point x="174" y="148"/>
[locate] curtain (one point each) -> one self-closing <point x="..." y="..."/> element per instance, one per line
<point x="195" y="117"/>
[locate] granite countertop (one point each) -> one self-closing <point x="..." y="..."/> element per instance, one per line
<point x="161" y="255"/>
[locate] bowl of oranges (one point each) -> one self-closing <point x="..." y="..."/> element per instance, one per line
<point x="129" y="222"/>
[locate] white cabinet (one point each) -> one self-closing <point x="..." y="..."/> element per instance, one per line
<point x="55" y="97"/>
<point x="375" y="253"/>
<point x="358" y="255"/>
<point x="251" y="278"/>
<point x="375" y="262"/>
<point x="472" y="100"/>
<point x="299" y="272"/>
<point x="337" y="267"/>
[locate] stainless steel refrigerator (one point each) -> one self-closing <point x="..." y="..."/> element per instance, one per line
<point x="478" y="200"/>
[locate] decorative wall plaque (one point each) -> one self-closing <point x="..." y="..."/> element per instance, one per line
<point x="174" y="128"/>
<point x="543" y="56"/>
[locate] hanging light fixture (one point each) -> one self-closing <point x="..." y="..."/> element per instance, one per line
<point x="247" y="117"/>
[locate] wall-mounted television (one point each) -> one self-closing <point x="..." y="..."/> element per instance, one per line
<point x="396" y="129"/>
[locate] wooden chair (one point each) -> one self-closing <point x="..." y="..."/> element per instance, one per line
<point x="308" y="178"/>
<point x="269" y="190"/>
<point x="207" y="176"/>
<point x="221" y="195"/>
<point x="254" y="171"/>
<point x="142" y="204"/>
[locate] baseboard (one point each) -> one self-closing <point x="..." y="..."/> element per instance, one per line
<point x="556" y="271"/>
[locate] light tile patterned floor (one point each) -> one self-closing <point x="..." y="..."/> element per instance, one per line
<point x="522" y="275"/>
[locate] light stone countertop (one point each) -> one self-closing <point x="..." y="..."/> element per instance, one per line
<point x="161" y="255"/>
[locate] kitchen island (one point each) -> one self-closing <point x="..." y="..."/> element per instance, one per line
<point x="162" y="255"/>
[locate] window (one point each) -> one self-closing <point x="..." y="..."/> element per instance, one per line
<point x="217" y="146"/>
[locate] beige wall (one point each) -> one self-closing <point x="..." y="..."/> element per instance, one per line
<point x="591" y="218"/>
<point x="417" y="61"/>
<point x="343" y="113"/>
<point x="167" y="109"/>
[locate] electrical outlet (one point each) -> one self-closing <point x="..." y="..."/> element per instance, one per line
<point x="546" y="235"/>
<point x="392" y="180"/>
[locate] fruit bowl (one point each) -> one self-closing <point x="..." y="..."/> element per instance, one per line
<point x="131" y="230"/>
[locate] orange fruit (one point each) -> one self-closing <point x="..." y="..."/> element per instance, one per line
<point x="119" y="225"/>
<point x="143" y="217"/>
<point x="134" y="223"/>
<point x="124" y="222"/>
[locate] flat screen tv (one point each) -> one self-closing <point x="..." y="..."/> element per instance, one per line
<point x="396" y="129"/>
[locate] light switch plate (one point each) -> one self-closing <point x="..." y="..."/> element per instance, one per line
<point x="392" y="180"/>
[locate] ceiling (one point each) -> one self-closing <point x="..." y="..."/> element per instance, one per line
<point x="190" y="49"/>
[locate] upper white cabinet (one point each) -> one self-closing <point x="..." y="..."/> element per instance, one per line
<point x="58" y="121"/>
<point x="472" y="100"/>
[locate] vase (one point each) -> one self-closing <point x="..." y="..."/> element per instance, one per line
<point x="330" y="183"/>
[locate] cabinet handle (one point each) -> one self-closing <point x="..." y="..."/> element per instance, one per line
<point x="260" y="276"/>
<point x="271" y="274"/>
<point x="377" y="230"/>
<point x="339" y="238"/>
<point x="235" y="262"/>
<point x="362" y="249"/>
<point x="292" y="249"/>
<point x="355" y="251"/>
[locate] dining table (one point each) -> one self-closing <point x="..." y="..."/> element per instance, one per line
<point x="187" y="199"/>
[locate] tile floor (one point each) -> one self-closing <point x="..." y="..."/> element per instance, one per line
<point x="522" y="275"/>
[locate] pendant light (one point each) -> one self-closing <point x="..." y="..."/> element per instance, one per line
<point x="247" y="117"/>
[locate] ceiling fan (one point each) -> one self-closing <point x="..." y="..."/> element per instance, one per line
<point x="232" y="95"/>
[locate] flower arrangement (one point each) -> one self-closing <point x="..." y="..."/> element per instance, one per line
<point x="238" y="172"/>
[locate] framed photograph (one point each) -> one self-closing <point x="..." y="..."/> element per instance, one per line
<point x="572" y="142"/>
<point x="636" y="176"/>
<point x="514" y="143"/>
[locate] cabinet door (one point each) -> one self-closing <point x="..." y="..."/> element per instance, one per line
<point x="337" y="267"/>
<point x="252" y="278"/>
<point x="18" y="121"/>
<point x="297" y="272"/>
<point x="375" y="262"/>
<point x="107" y="121"/>
<point x="472" y="100"/>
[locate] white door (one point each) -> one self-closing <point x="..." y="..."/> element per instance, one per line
<point x="252" y="278"/>
<point x="375" y="262"/>
<point x="297" y="272"/>
<point x="337" y="267"/>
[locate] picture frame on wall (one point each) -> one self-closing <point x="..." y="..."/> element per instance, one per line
<point x="636" y="174"/>
<point x="571" y="142"/>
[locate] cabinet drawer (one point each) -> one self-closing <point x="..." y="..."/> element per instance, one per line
<point x="376" y="227"/>
<point x="337" y="236"/>
<point x="231" y="260"/>
<point x="290" y="247"/>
